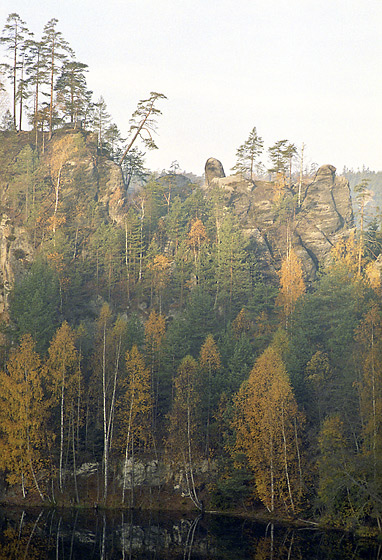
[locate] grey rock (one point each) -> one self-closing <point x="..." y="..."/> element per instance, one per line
<point x="213" y="170"/>
<point x="324" y="217"/>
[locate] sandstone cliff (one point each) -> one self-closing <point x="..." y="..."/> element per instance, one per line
<point x="90" y="184"/>
<point x="324" y="216"/>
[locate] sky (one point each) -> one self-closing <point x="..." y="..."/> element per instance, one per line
<point x="303" y="70"/>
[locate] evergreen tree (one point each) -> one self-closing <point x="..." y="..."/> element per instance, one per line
<point x="101" y="122"/>
<point x="248" y="153"/>
<point x="143" y="123"/>
<point x="133" y="167"/>
<point x="14" y="36"/>
<point x="55" y="54"/>
<point x="34" y="304"/>
<point x="281" y="155"/>
<point x="72" y="96"/>
<point x="37" y="75"/>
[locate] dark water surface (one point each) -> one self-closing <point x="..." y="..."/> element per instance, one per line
<point x="56" y="534"/>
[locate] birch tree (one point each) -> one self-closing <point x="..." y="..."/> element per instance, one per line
<point x="23" y="413"/>
<point x="292" y="285"/>
<point x="134" y="408"/>
<point x="107" y="365"/>
<point x="183" y="422"/>
<point x="265" y="417"/>
<point x="62" y="373"/>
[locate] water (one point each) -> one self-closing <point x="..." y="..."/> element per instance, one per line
<point x="69" y="535"/>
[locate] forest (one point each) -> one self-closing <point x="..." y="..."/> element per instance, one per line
<point x="138" y="324"/>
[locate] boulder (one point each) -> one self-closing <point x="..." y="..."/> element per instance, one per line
<point x="213" y="170"/>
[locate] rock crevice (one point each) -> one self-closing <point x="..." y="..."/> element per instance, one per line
<point x="325" y="215"/>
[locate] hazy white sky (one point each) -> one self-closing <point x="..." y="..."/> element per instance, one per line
<point x="305" y="70"/>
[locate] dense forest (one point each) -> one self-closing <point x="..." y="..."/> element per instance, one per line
<point x="138" y="324"/>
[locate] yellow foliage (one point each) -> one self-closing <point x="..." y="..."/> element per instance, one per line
<point x="373" y="276"/>
<point x="155" y="329"/>
<point x="63" y="149"/>
<point x="197" y="234"/>
<point x="242" y="323"/>
<point x="135" y="404"/>
<point x="22" y="415"/>
<point x="209" y="355"/>
<point x="292" y="284"/>
<point x="345" y="254"/>
<point x="266" y="417"/>
<point x="182" y="418"/>
<point x="279" y="187"/>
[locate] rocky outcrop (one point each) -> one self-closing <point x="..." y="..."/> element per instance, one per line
<point x="324" y="216"/>
<point x="113" y="196"/>
<point x="213" y="170"/>
<point x="16" y="252"/>
<point x="87" y="179"/>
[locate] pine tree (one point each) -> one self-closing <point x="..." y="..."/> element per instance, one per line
<point x="281" y="155"/>
<point x="14" y="36"/>
<point x="72" y="96"/>
<point x="143" y="123"/>
<point x="232" y="270"/>
<point x="37" y="75"/>
<point x="101" y="122"/>
<point x="210" y="364"/>
<point x="55" y="53"/>
<point x="34" y="304"/>
<point x="248" y="153"/>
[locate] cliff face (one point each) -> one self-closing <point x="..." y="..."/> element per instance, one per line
<point x="58" y="198"/>
<point x="324" y="216"/>
<point x="90" y="188"/>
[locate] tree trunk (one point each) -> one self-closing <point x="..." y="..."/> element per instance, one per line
<point x="62" y="430"/>
<point x="286" y="459"/>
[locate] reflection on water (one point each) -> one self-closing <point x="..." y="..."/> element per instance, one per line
<point x="78" y="534"/>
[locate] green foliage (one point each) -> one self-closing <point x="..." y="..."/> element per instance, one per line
<point x="326" y="320"/>
<point x="234" y="490"/>
<point x="34" y="304"/>
<point x="248" y="153"/>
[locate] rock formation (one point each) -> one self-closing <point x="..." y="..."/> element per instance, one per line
<point x="87" y="179"/>
<point x="324" y="216"/>
<point x="213" y="170"/>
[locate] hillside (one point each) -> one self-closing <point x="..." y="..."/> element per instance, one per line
<point x="220" y="343"/>
<point x="70" y="204"/>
